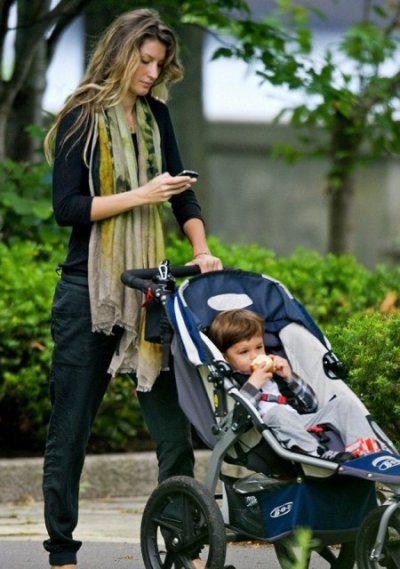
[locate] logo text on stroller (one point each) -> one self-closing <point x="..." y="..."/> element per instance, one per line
<point x="281" y="510"/>
<point x="385" y="462"/>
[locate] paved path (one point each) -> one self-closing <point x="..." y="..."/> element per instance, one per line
<point x="109" y="530"/>
<point x="29" y="555"/>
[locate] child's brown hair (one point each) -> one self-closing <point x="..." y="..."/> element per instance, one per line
<point x="232" y="326"/>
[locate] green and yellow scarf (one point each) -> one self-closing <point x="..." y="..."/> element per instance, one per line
<point x="131" y="240"/>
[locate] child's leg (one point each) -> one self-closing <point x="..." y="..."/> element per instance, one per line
<point x="349" y="420"/>
<point x="289" y="428"/>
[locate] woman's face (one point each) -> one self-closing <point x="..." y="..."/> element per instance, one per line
<point x="152" y="58"/>
<point x="241" y="354"/>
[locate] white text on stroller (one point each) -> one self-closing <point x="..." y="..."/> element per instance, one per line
<point x="281" y="510"/>
<point x="386" y="462"/>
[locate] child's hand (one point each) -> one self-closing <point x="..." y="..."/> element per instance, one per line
<point x="261" y="375"/>
<point x="264" y="360"/>
<point x="282" y="368"/>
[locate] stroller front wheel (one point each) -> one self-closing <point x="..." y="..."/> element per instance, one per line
<point x="182" y="520"/>
<point x="365" y="543"/>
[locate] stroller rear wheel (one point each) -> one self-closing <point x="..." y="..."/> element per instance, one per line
<point x="181" y="520"/>
<point x="365" y="542"/>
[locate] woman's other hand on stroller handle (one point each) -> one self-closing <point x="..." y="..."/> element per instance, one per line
<point x="206" y="261"/>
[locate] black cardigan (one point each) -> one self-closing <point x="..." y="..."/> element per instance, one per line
<point x="71" y="196"/>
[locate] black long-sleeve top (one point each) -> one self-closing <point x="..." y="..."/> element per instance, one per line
<point x="71" y="195"/>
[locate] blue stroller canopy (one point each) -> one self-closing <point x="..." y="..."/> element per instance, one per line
<point x="199" y="300"/>
<point x="192" y="309"/>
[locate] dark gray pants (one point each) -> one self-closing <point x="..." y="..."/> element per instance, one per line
<point x="78" y="381"/>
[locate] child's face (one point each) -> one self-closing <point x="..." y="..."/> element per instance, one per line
<point x="241" y="354"/>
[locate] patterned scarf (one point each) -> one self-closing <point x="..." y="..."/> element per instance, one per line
<point x="133" y="239"/>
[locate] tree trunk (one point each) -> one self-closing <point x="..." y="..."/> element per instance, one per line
<point x="4" y="113"/>
<point x="341" y="216"/>
<point x="187" y="109"/>
<point x="27" y="110"/>
<point x="21" y="95"/>
<point x="29" y="90"/>
<point x="346" y="140"/>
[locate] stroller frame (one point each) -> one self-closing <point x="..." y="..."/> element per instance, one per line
<point x="371" y="544"/>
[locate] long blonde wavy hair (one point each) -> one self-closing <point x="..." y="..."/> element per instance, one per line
<point x="110" y="69"/>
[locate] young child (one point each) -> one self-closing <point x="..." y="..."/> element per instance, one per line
<point x="285" y="401"/>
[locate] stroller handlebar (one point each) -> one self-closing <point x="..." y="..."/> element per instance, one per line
<point x="142" y="279"/>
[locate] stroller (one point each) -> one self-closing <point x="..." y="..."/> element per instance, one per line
<point x="278" y="490"/>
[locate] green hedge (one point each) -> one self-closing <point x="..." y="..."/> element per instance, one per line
<point x="27" y="277"/>
<point x="342" y="296"/>
<point x="27" y="280"/>
<point x="369" y="346"/>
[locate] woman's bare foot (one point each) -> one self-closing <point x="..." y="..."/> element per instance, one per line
<point x="198" y="564"/>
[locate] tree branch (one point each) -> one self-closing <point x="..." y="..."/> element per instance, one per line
<point x="5" y="8"/>
<point x="369" y="98"/>
<point x="394" y="22"/>
<point x="63" y="22"/>
<point x="65" y="11"/>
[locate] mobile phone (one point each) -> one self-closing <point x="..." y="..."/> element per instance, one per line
<point x="190" y="173"/>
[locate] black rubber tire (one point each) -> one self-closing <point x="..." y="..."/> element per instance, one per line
<point x="366" y="540"/>
<point x="180" y="520"/>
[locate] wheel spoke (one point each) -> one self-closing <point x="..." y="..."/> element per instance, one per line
<point x="180" y="520"/>
<point x="169" y="560"/>
<point x="392" y="552"/>
<point x="167" y="523"/>
<point x="365" y="544"/>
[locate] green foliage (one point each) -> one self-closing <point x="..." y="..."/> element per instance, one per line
<point x="27" y="280"/>
<point x="25" y="203"/>
<point x="299" y="546"/>
<point x="356" y="309"/>
<point x="27" y="277"/>
<point x="369" y="346"/>
<point x="368" y="44"/>
<point x="119" y="425"/>
<point x="215" y="14"/>
<point x="349" y="93"/>
<point x="282" y="47"/>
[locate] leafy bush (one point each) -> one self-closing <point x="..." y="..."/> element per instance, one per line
<point x="27" y="277"/>
<point x="369" y="346"/>
<point x="343" y="297"/>
<point x="119" y="425"/>
<point x="25" y="203"/>
<point x="27" y="280"/>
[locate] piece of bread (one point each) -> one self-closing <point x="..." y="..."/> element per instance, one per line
<point x="262" y="358"/>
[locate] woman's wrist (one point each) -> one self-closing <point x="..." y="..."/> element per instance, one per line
<point x="195" y="255"/>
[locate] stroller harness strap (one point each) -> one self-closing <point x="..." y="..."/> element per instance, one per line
<point x="281" y="399"/>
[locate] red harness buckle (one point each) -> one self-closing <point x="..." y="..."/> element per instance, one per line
<point x="316" y="429"/>
<point x="148" y="299"/>
<point x="281" y="399"/>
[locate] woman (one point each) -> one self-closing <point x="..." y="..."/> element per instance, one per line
<point x="115" y="164"/>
